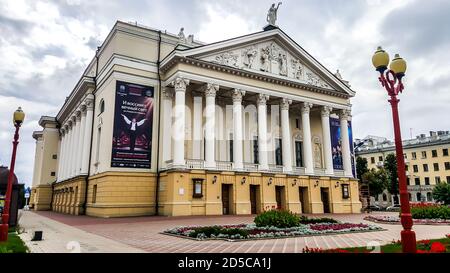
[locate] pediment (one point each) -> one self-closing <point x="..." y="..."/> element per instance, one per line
<point x="267" y="57"/>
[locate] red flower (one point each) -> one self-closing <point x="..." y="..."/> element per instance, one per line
<point x="425" y="242"/>
<point x="421" y="251"/>
<point x="437" y="247"/>
<point x="448" y="236"/>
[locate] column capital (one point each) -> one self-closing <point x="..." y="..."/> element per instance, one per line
<point x="66" y="127"/>
<point x="237" y="95"/>
<point x="285" y="103"/>
<point x="262" y="99"/>
<point x="83" y="108"/>
<point x="180" y="84"/>
<point x="69" y="124"/>
<point x="211" y="89"/>
<point x="78" y="114"/>
<point x="345" y="114"/>
<point x="306" y="107"/>
<point x="167" y="93"/>
<point x="62" y="131"/>
<point x="326" y="110"/>
<point x="89" y="101"/>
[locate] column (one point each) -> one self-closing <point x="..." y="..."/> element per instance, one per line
<point x="68" y="151"/>
<point x="81" y="138"/>
<point x="167" y="95"/>
<point x="178" y="134"/>
<point x="89" y="112"/>
<point x="328" y="155"/>
<point x="286" y="135"/>
<point x="307" y="145"/>
<point x="61" y="149"/>
<point x="72" y="147"/>
<point x="210" y="125"/>
<point x="262" y="132"/>
<point x="65" y="152"/>
<point x="78" y="143"/>
<point x="346" y="156"/>
<point x="238" y="163"/>
<point x="197" y="130"/>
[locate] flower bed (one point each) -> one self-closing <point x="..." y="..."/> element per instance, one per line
<point x="251" y="231"/>
<point x="396" y="220"/>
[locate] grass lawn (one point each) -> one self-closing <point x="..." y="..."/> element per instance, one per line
<point x="397" y="247"/>
<point x="13" y="245"/>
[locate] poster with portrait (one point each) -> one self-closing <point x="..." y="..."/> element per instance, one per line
<point x="336" y="144"/>
<point x="133" y="126"/>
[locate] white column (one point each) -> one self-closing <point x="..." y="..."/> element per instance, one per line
<point x="64" y="153"/>
<point x="238" y="163"/>
<point x="262" y="132"/>
<point x="61" y="148"/>
<point x="89" y="112"/>
<point x="167" y="95"/>
<point x="78" y="143"/>
<point x="197" y="126"/>
<point x="346" y="156"/>
<point x="210" y="125"/>
<point x="286" y="135"/>
<point x="73" y="146"/>
<point x="327" y="140"/>
<point x="307" y="144"/>
<point x="178" y="134"/>
<point x="68" y="158"/>
<point x="81" y="138"/>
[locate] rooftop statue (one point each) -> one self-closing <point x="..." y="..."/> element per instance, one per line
<point x="272" y="14"/>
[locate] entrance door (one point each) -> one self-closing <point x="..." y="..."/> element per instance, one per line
<point x="279" y="196"/>
<point x="304" y="199"/>
<point x="226" y="199"/>
<point x="324" y="194"/>
<point x="254" y="198"/>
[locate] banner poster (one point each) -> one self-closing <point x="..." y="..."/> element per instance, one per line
<point x="336" y="144"/>
<point x="133" y="125"/>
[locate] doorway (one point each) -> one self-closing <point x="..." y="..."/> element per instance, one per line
<point x="325" y="196"/>
<point x="304" y="199"/>
<point x="279" y="196"/>
<point x="254" y="199"/>
<point x="226" y="204"/>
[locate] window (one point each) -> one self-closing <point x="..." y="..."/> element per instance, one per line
<point x="425" y="167"/>
<point x="54" y="156"/>
<point x="255" y="150"/>
<point x="297" y="123"/>
<point x="406" y="167"/>
<point x="345" y="191"/>
<point x="447" y="166"/>
<point x="413" y="155"/>
<point x="52" y="174"/>
<point x="94" y="194"/>
<point x="427" y="181"/>
<point x="418" y="196"/>
<point x="429" y="196"/>
<point x="424" y="154"/>
<point x="417" y="180"/>
<point x="380" y="158"/>
<point x="437" y="179"/>
<point x="445" y="152"/>
<point x="405" y="156"/>
<point x="278" y="152"/>
<point x="298" y="154"/>
<point x="415" y="168"/>
<point x="102" y="106"/>
<point x="408" y="181"/>
<point x="198" y="191"/>
<point x="434" y="153"/>
<point x="436" y="167"/>
<point x="231" y="148"/>
<point x="448" y="179"/>
<point x="97" y="152"/>
<point x="372" y="160"/>
<point x="384" y="197"/>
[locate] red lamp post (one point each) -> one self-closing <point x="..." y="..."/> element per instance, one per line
<point x="391" y="80"/>
<point x="18" y="118"/>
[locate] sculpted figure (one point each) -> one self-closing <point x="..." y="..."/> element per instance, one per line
<point x="272" y="14"/>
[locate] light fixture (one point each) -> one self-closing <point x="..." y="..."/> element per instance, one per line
<point x="214" y="179"/>
<point x="18" y="117"/>
<point x="398" y="65"/>
<point x="380" y="60"/>
<point x="243" y="180"/>
<point x="316" y="183"/>
<point x="270" y="181"/>
<point x="294" y="182"/>
<point x="337" y="184"/>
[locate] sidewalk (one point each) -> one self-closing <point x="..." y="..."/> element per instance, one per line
<point x="62" y="238"/>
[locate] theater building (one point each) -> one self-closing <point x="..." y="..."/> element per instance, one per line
<point x="163" y="124"/>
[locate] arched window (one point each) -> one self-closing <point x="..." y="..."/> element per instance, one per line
<point x="429" y="197"/>
<point x="384" y="197"/>
<point x="102" y="106"/>
<point x="419" y="197"/>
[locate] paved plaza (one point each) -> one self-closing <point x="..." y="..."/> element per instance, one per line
<point x="67" y="233"/>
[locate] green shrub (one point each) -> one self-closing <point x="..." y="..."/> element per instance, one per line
<point x="431" y="212"/>
<point x="216" y="230"/>
<point x="441" y="193"/>
<point x="277" y="218"/>
<point x="305" y="220"/>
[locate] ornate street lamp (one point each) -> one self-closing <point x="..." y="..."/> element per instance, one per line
<point x="18" y="118"/>
<point x="391" y="80"/>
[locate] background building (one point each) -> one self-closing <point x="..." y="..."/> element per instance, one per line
<point x="163" y="124"/>
<point x="427" y="162"/>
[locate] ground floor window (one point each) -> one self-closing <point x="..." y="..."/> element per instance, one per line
<point x="345" y="192"/>
<point x="198" y="191"/>
<point x="298" y="154"/>
<point x="255" y="150"/>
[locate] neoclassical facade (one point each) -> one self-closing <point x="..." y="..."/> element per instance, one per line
<point x="161" y="124"/>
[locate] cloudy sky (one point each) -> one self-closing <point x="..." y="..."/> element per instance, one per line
<point x="46" y="45"/>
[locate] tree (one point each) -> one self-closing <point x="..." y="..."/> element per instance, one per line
<point x="377" y="180"/>
<point x="390" y="165"/>
<point x="361" y="167"/>
<point x="441" y="193"/>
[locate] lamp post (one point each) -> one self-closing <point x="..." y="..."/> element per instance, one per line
<point x="391" y="80"/>
<point x="18" y="118"/>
